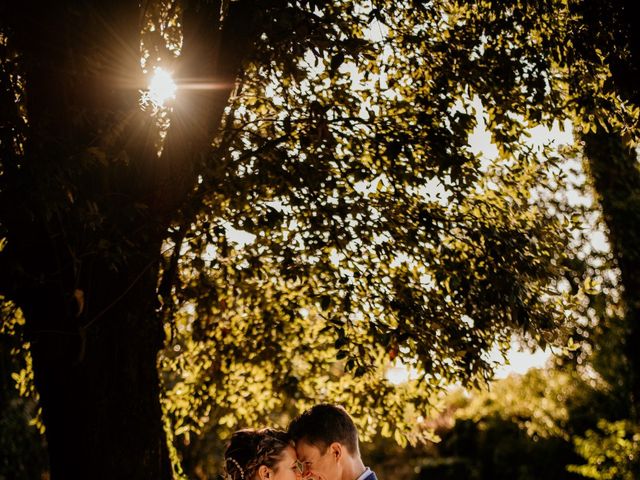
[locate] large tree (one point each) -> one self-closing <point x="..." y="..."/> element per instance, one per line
<point x="336" y="134"/>
<point x="86" y="205"/>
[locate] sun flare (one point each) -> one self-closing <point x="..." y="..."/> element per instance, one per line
<point x="161" y="87"/>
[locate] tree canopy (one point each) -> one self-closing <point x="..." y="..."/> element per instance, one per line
<point x="377" y="233"/>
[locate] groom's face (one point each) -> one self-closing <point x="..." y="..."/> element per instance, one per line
<point x="315" y="461"/>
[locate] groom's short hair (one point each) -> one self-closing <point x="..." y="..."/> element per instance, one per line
<point x="324" y="424"/>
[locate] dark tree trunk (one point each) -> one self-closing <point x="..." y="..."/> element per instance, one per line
<point x="84" y="244"/>
<point x="616" y="177"/>
<point x="86" y="208"/>
<point x="98" y="384"/>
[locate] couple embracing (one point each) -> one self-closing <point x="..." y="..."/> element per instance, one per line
<point x="320" y="444"/>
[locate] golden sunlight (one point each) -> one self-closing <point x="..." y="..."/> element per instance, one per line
<point x="161" y="87"/>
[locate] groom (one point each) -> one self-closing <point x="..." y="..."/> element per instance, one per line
<point x="327" y="444"/>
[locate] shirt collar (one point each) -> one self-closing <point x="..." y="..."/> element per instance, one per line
<point x="366" y="472"/>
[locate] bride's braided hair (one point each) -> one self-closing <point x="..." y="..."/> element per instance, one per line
<point x="249" y="449"/>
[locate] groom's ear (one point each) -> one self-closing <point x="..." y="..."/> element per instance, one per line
<point x="264" y="472"/>
<point x="336" y="450"/>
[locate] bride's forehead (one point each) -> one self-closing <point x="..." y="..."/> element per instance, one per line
<point x="289" y="453"/>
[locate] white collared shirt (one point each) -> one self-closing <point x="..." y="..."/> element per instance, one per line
<point x="366" y="472"/>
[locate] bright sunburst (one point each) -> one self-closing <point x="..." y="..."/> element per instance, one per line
<point x="161" y="87"/>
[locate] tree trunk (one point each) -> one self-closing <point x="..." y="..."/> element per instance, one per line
<point x="98" y="385"/>
<point x="616" y="178"/>
<point x="86" y="208"/>
<point x="84" y="245"/>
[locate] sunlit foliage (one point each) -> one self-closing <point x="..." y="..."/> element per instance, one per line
<point x="343" y="222"/>
<point x="522" y="427"/>
<point x="612" y="451"/>
<point x="539" y="402"/>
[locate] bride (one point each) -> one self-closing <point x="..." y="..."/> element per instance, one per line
<point x="265" y="454"/>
